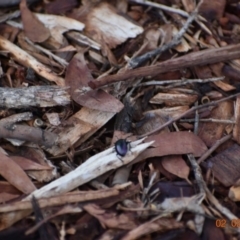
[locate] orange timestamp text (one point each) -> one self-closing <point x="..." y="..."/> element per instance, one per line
<point x="222" y="223"/>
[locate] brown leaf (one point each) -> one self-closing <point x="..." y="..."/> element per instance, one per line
<point x="60" y="7"/>
<point x="176" y="165"/>
<point x="151" y="226"/>
<point x="77" y="77"/>
<point x="37" y="156"/>
<point x="110" y="219"/>
<point x="33" y="28"/>
<point x="8" y="192"/>
<point x="27" y="164"/>
<point x="174" y="143"/>
<point x="212" y="9"/>
<point x="15" y="175"/>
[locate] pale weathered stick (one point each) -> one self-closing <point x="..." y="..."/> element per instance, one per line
<point x="27" y="133"/>
<point x="86" y="122"/>
<point x="81" y="196"/>
<point x="28" y="61"/>
<point x="36" y="96"/>
<point x="91" y="169"/>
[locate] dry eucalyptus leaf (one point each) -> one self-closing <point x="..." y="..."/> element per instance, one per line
<point x="33" y="28"/>
<point x="78" y="76"/>
<point x="176" y="165"/>
<point x="14" y="174"/>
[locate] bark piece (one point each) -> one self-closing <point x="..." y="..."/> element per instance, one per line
<point x="211" y="132"/>
<point x="28" y="61"/>
<point x="226" y="165"/>
<point x="85" y="123"/>
<point x="36" y="96"/>
<point x="119" y="29"/>
<point x="174" y="99"/>
<point x="234" y="193"/>
<point x="59" y="25"/>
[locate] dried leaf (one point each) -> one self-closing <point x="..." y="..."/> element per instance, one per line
<point x="15" y="175"/>
<point x="8" y="192"/>
<point x="33" y="28"/>
<point x="110" y="219"/>
<point x="77" y="77"/>
<point x="173" y="143"/>
<point x="176" y="165"/>
<point x="61" y="6"/>
<point x="27" y="164"/>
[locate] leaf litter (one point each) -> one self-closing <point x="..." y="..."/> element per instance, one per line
<point x="163" y="76"/>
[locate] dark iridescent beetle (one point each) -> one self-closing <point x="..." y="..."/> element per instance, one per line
<point x="121" y="147"/>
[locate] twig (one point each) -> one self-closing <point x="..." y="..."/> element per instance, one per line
<point x="204" y="57"/>
<point x="135" y="62"/>
<point x="198" y="174"/>
<point x="47" y="52"/>
<point x="28" y="61"/>
<point x="8" y="129"/>
<point x="213" y="148"/>
<point x="180" y="82"/>
<point x="196" y="122"/>
<point x="208" y="120"/>
<point x="89" y="170"/>
<point x="162" y="7"/>
<point x="187" y="112"/>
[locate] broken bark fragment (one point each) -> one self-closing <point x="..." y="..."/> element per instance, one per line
<point x="26" y="133"/>
<point x="226" y="165"/>
<point x="28" y="61"/>
<point x="36" y="96"/>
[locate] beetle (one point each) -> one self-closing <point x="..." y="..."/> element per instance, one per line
<point x="121" y="147"/>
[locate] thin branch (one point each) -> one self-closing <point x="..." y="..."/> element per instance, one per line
<point x="198" y="174"/>
<point x="204" y="57"/>
<point x="180" y="82"/>
<point x="213" y="120"/>
<point x="213" y="148"/>
<point x="162" y="7"/>
<point x="196" y="122"/>
<point x="135" y="62"/>
<point x="187" y="112"/>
